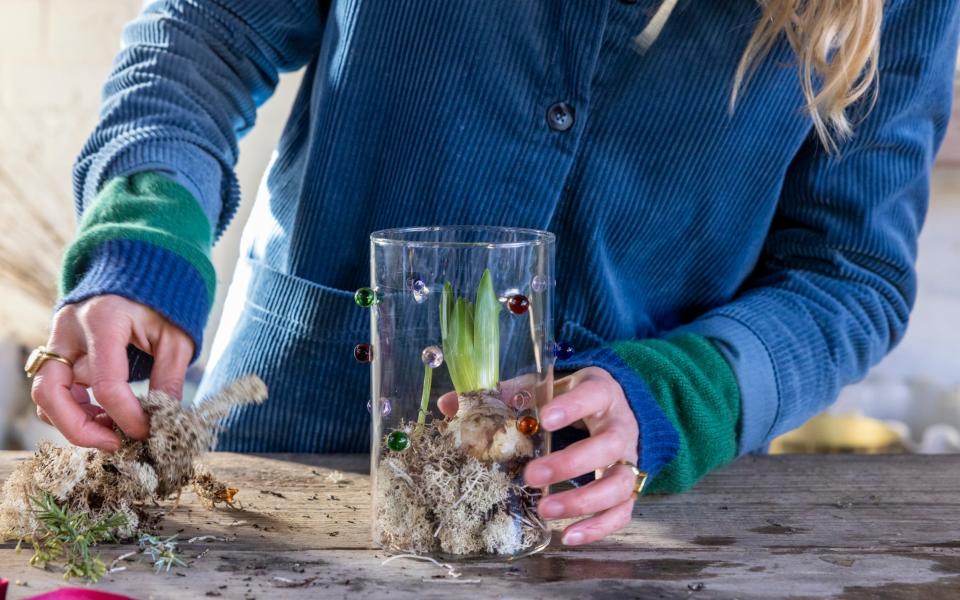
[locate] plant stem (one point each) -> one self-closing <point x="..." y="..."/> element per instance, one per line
<point x="425" y="399"/>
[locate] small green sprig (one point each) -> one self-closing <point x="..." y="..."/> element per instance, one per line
<point x="470" y="332"/>
<point x="163" y="552"/>
<point x="68" y="536"/>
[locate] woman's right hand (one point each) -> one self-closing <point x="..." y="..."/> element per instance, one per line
<point x="94" y="335"/>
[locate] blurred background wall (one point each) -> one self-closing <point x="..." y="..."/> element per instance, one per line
<point x="54" y="57"/>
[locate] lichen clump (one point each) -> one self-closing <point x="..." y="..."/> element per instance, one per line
<point x="99" y="483"/>
<point x="435" y="497"/>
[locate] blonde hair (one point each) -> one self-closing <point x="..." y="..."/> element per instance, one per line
<point x="836" y="43"/>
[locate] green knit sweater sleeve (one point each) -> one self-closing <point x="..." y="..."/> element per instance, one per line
<point x="697" y="390"/>
<point x="148" y="208"/>
<point x="145" y="238"/>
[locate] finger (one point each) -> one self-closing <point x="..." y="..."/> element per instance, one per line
<point x="448" y="404"/>
<point x="170" y="361"/>
<point x="589" y="397"/>
<point x="53" y="395"/>
<point x="599" y="526"/>
<point x="563" y="385"/>
<point x="82" y="399"/>
<point x="108" y="363"/>
<point x="598" y="495"/>
<point x="82" y="396"/>
<point x="585" y="456"/>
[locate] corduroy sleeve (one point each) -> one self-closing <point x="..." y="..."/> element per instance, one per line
<point x="186" y="86"/>
<point x="835" y="283"/>
<point x="154" y="184"/>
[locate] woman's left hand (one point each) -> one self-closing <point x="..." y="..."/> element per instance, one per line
<point x="592" y="398"/>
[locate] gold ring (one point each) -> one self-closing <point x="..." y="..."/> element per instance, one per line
<point x="41" y="355"/>
<point x="640" y="477"/>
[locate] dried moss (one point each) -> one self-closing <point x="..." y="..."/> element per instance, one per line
<point x="210" y="490"/>
<point x="437" y="497"/>
<point x="100" y="483"/>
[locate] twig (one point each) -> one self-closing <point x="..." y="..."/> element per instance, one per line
<point x="204" y="538"/>
<point x="286" y="582"/>
<point x="113" y="568"/>
<point x="335" y="477"/>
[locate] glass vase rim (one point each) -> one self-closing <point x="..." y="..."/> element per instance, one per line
<point x="398" y="236"/>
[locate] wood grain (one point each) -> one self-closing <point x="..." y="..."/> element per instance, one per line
<point x="851" y="527"/>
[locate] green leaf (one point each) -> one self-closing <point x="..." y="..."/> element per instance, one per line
<point x="487" y="334"/>
<point x="470" y="333"/>
<point x="463" y="344"/>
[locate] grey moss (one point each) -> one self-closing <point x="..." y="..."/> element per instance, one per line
<point x="436" y="497"/>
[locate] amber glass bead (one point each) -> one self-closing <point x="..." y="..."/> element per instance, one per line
<point x="528" y="425"/>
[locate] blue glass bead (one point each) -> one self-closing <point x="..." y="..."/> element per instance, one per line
<point x="563" y="350"/>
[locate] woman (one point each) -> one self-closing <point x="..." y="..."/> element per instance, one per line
<point x="737" y="192"/>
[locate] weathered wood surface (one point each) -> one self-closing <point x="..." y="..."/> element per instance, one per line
<point x="767" y="527"/>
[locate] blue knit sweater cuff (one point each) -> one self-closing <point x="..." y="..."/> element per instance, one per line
<point x="152" y="276"/>
<point x="659" y="441"/>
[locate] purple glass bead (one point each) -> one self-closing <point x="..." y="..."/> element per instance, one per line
<point x="386" y="407"/>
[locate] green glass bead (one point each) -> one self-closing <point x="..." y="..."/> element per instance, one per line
<point x="365" y="297"/>
<point x="398" y="441"/>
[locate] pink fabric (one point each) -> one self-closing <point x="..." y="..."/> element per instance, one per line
<point x="76" y="594"/>
<point x="3" y="588"/>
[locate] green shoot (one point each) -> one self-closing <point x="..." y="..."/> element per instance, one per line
<point x="470" y="332"/>
<point x="425" y="399"/>
<point x="68" y="536"/>
<point x="163" y="552"/>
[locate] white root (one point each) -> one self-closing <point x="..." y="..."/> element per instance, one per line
<point x="451" y="570"/>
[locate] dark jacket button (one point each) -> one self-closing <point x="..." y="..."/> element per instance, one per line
<point x="560" y="116"/>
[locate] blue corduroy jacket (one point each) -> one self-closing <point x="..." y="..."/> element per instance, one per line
<point x="672" y="211"/>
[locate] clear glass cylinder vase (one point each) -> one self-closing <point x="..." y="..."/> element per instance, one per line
<point x="461" y="352"/>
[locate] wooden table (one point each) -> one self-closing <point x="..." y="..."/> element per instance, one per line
<point x="850" y="527"/>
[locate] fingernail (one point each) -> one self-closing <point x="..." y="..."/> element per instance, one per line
<point x="552" y="419"/>
<point x="549" y="509"/>
<point x="573" y="538"/>
<point x="538" y="474"/>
